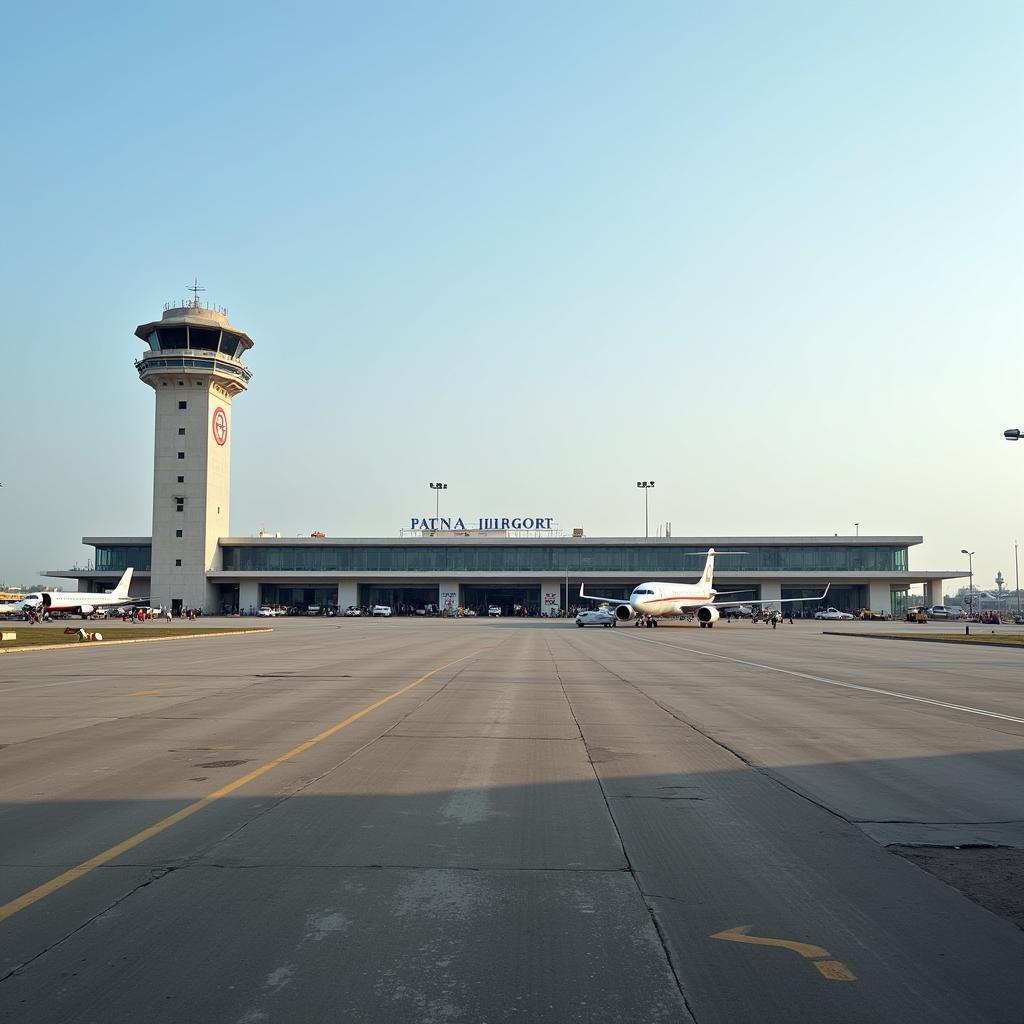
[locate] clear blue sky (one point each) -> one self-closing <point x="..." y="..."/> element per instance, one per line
<point x="768" y="255"/>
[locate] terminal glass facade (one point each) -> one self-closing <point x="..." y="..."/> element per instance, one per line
<point x="665" y="560"/>
<point x="117" y="557"/>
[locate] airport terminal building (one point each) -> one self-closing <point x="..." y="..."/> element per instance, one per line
<point x="193" y="362"/>
<point x="541" y="574"/>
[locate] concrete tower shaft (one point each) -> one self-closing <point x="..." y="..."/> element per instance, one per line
<point x="194" y="365"/>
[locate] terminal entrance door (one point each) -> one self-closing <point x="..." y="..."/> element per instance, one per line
<point x="229" y="598"/>
<point x="506" y="598"/>
<point x="401" y="600"/>
<point x="846" y="598"/>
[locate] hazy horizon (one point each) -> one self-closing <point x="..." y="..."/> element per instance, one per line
<point x="767" y="256"/>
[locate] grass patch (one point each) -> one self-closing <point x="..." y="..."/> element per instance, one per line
<point x="991" y="639"/>
<point x="42" y="636"/>
<point x="984" y="638"/>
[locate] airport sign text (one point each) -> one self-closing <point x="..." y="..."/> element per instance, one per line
<point x="482" y="523"/>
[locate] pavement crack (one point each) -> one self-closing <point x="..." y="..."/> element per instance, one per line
<point x="915" y="821"/>
<point x="155" y="875"/>
<point x="762" y="770"/>
<point x="662" y="938"/>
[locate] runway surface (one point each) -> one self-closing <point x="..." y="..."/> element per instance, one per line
<point x="484" y="821"/>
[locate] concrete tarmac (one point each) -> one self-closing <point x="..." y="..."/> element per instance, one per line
<point x="484" y="821"/>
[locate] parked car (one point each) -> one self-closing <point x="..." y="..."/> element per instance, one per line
<point x="916" y="614"/>
<point x="833" y="614"/>
<point x="381" y="611"/>
<point x="596" y="617"/>
<point x="265" y="612"/>
<point x="494" y="610"/>
<point x="740" y="611"/>
<point x="945" y="611"/>
<point x="352" y="610"/>
<point x="469" y="613"/>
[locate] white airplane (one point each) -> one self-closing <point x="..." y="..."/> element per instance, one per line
<point x="43" y="601"/>
<point x="657" y="599"/>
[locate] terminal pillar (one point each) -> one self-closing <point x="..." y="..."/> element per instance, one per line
<point x="880" y="597"/>
<point x="248" y="596"/>
<point x="933" y="591"/>
<point x="348" y="594"/>
<point x="771" y="591"/>
<point x="448" y="597"/>
<point x="549" y="602"/>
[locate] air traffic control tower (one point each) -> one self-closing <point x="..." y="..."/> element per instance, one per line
<point x="194" y="364"/>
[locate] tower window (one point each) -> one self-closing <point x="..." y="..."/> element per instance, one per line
<point x="177" y="533"/>
<point x="183" y="405"/>
<point x="181" y="455"/>
<point x="181" y="431"/>
<point x="179" y="506"/>
<point x="181" y="479"/>
<point x="177" y="561"/>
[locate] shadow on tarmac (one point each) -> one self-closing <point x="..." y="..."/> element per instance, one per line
<point x="506" y="902"/>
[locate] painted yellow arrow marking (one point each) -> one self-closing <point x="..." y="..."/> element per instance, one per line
<point x="833" y="970"/>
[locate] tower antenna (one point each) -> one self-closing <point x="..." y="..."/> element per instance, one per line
<point x="195" y="288"/>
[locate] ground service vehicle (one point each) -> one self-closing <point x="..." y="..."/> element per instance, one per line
<point x="494" y="611"/>
<point x="597" y="617"/>
<point x="833" y="614"/>
<point x="381" y="611"/>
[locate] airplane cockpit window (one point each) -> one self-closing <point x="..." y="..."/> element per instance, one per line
<point x="640" y="590"/>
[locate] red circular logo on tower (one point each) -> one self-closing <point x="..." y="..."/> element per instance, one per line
<point x="220" y="425"/>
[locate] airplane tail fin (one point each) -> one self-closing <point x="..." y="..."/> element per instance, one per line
<point x="121" y="590"/>
<point x="709" y="568"/>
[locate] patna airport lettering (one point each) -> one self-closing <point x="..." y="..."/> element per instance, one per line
<point x="483" y="523"/>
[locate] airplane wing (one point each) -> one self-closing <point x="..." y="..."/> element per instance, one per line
<point x="608" y="600"/>
<point x="784" y="600"/>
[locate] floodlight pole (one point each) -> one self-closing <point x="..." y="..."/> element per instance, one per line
<point x="437" y="489"/>
<point x="646" y="485"/>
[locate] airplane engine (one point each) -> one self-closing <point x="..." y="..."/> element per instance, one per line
<point x="86" y="609"/>
<point x="623" y="612"/>
<point x="707" y="616"/>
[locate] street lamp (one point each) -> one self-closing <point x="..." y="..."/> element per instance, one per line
<point x="970" y="569"/>
<point x="437" y="489"/>
<point x="646" y="485"/>
<point x="1016" y="572"/>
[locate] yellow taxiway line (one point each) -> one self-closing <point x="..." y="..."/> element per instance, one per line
<point x="72" y="874"/>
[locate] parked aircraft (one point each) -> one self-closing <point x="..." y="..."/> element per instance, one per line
<point x="656" y="600"/>
<point x="44" y="601"/>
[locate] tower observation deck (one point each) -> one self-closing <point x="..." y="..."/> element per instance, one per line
<point x="194" y="365"/>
